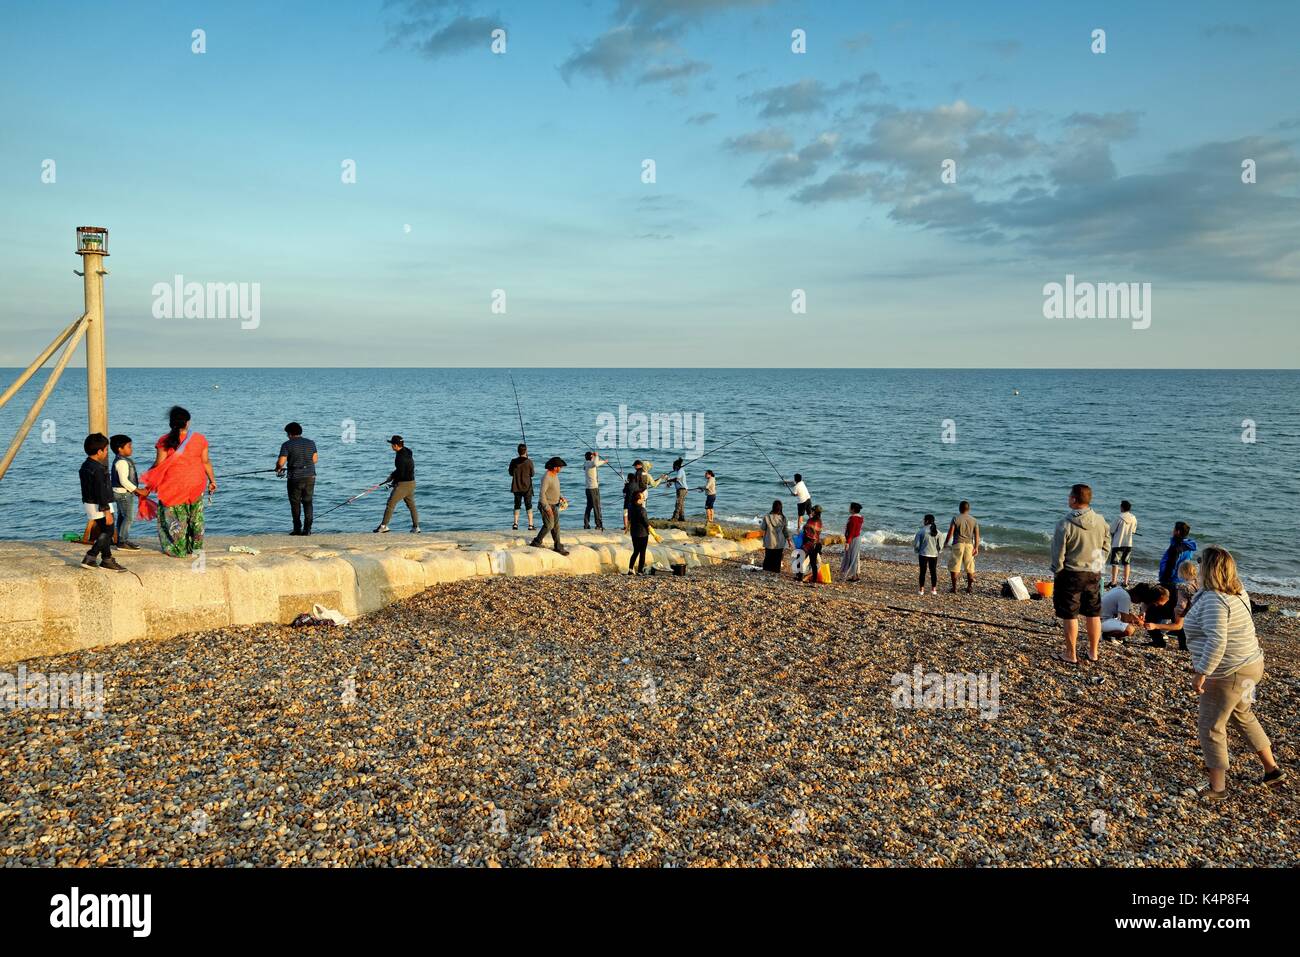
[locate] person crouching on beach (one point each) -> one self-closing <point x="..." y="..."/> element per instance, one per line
<point x="710" y="494"/>
<point x="776" y="536"/>
<point x="1119" y="620"/>
<point x="639" y="525"/>
<point x="852" y="543"/>
<point x="180" y="471"/>
<point x="1229" y="666"/>
<point x="812" y="542"/>
<point x="927" y="547"/>
<point x="1079" y="548"/>
<point x="551" y="502"/>
<point x="964" y="536"/>
<point x="402" y="479"/>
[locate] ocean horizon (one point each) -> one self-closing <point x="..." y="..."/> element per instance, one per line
<point x="1214" y="448"/>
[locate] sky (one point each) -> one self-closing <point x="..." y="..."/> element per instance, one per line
<point x="501" y="213"/>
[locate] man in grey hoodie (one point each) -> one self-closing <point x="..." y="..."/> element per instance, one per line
<point x="1079" y="548"/>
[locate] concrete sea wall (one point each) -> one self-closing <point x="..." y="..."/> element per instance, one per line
<point x="50" y="605"/>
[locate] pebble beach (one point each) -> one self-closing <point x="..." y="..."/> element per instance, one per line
<point x="727" y="718"/>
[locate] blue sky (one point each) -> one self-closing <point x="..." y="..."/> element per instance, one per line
<point x="775" y="171"/>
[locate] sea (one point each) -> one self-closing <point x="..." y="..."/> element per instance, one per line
<point x="1217" y="449"/>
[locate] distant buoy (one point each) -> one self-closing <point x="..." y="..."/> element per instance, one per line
<point x="216" y="387"/>
<point x="1015" y="391"/>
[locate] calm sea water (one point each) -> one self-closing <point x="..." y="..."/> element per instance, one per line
<point x="1170" y="441"/>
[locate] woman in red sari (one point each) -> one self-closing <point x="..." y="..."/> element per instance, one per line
<point x="181" y="473"/>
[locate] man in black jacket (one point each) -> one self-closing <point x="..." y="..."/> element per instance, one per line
<point x="521" y="484"/>
<point x="97" y="497"/>
<point x="402" y="479"/>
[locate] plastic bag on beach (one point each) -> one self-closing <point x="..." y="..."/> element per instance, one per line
<point x="330" y="615"/>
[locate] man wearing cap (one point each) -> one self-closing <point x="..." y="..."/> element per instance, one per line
<point x="402" y="479"/>
<point x="551" y="502"/>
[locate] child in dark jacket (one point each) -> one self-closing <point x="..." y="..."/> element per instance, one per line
<point x="97" y="498"/>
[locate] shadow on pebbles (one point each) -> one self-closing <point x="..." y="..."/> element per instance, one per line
<point x="726" y="718"/>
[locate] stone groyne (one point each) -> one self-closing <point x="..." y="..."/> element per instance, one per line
<point x="50" y="605"/>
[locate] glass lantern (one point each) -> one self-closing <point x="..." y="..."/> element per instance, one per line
<point x="92" y="240"/>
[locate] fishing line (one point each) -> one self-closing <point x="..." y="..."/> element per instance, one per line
<point x="519" y="409"/>
<point x="787" y="485"/>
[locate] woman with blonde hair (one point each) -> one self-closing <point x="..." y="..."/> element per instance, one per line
<point x="1229" y="666"/>
<point x="1182" y="594"/>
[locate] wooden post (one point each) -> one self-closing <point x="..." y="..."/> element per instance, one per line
<point x="96" y="365"/>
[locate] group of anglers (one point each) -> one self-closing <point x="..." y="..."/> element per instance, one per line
<point x="182" y="475"/>
<point x="636" y="485"/>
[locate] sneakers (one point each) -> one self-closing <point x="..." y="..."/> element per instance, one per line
<point x="112" y="565"/>
<point x="296" y="531"/>
<point x="129" y="545"/>
<point x="536" y="545"/>
<point x="1273" y="777"/>
<point x="415" y="529"/>
<point x="561" y="551"/>
<point x="921" y="592"/>
<point x="515" y="527"/>
<point x="89" y="561"/>
<point x="381" y="529"/>
<point x="1208" y="795"/>
<point x="934" y="591"/>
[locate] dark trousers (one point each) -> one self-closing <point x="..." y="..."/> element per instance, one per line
<point x="593" y="506"/>
<point x="813" y="552"/>
<point x="679" y="509"/>
<point x="638" y="550"/>
<point x="550" y="523"/>
<point x="300" y="497"/>
<point x="101" y="539"/>
<point x="772" y="559"/>
<point x="931" y="563"/>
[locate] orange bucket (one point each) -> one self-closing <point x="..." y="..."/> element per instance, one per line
<point x="1045" y="588"/>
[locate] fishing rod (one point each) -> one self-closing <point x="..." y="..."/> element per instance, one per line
<point x="518" y="408"/>
<point x="774" y="468"/>
<point x="362" y="494"/>
<point x="244" y="474"/>
<point x="594" y="452"/>
<point x="711" y="451"/>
